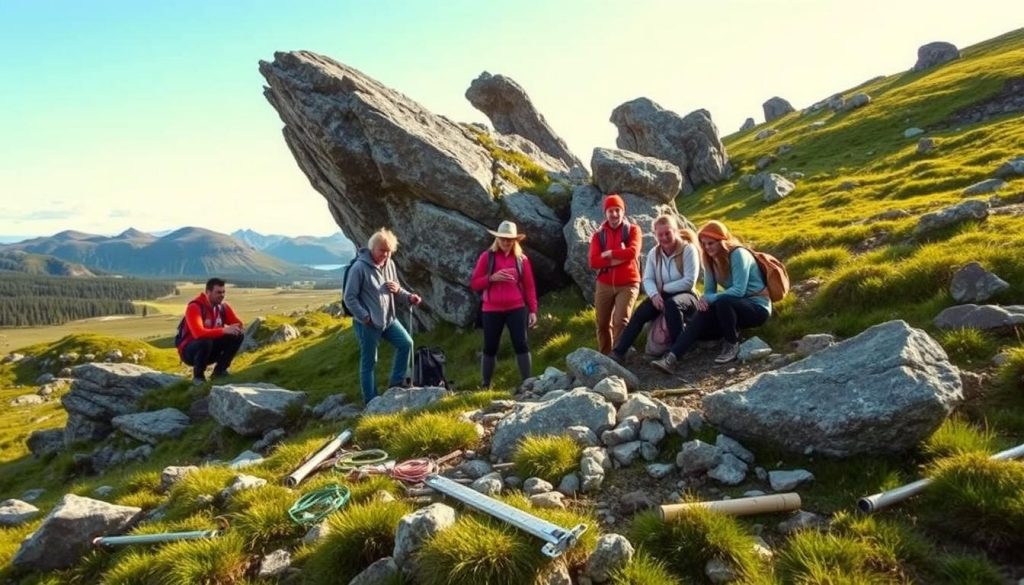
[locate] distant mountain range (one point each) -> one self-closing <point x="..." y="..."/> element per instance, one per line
<point x="333" y="249"/>
<point x="185" y="252"/>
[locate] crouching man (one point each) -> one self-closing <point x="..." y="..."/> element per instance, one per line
<point x="210" y="333"/>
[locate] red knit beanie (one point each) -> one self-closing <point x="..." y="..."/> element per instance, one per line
<point x="614" y="200"/>
<point x="715" y="230"/>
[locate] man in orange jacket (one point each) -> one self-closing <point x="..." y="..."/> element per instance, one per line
<point x="614" y="249"/>
<point x="211" y="333"/>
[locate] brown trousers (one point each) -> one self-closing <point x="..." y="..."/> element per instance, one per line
<point x="613" y="304"/>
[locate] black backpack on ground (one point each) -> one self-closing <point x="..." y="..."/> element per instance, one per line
<point x="428" y="368"/>
<point x="183" y="327"/>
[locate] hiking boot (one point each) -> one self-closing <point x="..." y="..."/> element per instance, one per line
<point x="198" y="381"/>
<point x="667" y="363"/>
<point x="729" y="353"/>
<point x="220" y="374"/>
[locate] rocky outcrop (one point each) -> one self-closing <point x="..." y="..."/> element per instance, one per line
<point x="985" y="317"/>
<point x="776" y="187"/>
<point x="775" y="108"/>
<point x="1008" y="100"/>
<point x="586" y="217"/>
<point x="882" y="391"/>
<point x="622" y="171"/>
<point x="579" y="407"/>
<point x="748" y="124"/>
<point x="153" y="427"/>
<point x="510" y="110"/>
<point x="251" y="409"/>
<point x="691" y="142"/>
<point x="67" y="532"/>
<point x="933" y="54"/>
<point x="972" y="210"/>
<point x="102" y="391"/>
<point x="381" y="159"/>
<point x="400" y="399"/>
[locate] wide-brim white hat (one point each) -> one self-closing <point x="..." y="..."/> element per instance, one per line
<point x="507" y="229"/>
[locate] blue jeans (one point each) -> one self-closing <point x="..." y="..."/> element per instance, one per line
<point x="369" y="338"/>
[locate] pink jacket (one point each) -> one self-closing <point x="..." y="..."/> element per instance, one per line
<point x="504" y="296"/>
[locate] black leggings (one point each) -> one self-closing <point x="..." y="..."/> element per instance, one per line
<point x="723" y="320"/>
<point x="220" y="350"/>
<point x="678" y="308"/>
<point x="495" y="321"/>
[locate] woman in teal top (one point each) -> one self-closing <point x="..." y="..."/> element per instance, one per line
<point x="741" y="303"/>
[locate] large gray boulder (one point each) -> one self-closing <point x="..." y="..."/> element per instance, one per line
<point x="622" y="171"/>
<point x="882" y="391"/>
<point x="986" y="317"/>
<point x="67" y="532"/>
<point x="776" y="107"/>
<point x="399" y="399"/>
<point x="691" y="142"/>
<point x="576" y="408"/>
<point x="253" y="408"/>
<point x="586" y="216"/>
<point x="510" y="110"/>
<point x="153" y="427"/>
<point x="935" y="53"/>
<point x="381" y="159"/>
<point x="590" y="367"/>
<point x="44" y="442"/>
<point x="102" y="391"/>
<point x="974" y="284"/>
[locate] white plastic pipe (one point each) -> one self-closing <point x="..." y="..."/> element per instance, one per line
<point x="875" y="502"/>
<point x="317" y="458"/>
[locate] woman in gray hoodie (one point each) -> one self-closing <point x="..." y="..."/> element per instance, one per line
<point x="370" y="293"/>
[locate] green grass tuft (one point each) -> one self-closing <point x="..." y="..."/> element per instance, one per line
<point x="261" y="516"/>
<point x="968" y="570"/>
<point x="474" y="551"/>
<point x="957" y="436"/>
<point x="967" y="345"/>
<point x="549" y="458"/>
<point x="687" y="543"/>
<point x="358" y="535"/>
<point x="644" y="570"/>
<point x="979" y="499"/>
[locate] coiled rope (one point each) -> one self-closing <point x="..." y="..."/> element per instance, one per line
<point x="353" y="460"/>
<point x="314" y="506"/>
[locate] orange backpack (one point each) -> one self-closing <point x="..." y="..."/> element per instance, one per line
<point x="774" y="274"/>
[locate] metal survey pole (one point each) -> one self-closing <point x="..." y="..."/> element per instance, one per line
<point x="557" y="538"/>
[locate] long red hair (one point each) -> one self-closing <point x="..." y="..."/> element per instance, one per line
<point x="716" y="230"/>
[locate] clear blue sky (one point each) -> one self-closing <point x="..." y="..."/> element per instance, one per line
<point x="117" y="114"/>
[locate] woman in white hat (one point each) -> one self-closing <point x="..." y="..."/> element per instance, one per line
<point x="504" y="278"/>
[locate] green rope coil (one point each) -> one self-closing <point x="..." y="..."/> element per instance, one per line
<point x="316" y="505"/>
<point x="347" y="462"/>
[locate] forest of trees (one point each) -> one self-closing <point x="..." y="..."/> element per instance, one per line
<point x="28" y="300"/>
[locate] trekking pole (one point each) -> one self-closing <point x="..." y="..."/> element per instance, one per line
<point x="412" y="351"/>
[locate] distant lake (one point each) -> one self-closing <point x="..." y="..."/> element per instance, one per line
<point x="325" y="266"/>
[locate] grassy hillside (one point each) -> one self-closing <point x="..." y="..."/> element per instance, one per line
<point x="964" y="530"/>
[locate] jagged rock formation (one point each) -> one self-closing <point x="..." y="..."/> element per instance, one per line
<point x="511" y="112"/>
<point x="381" y="159"/>
<point x="748" y="124"/>
<point x="691" y="142"/>
<point x="776" y="107"/>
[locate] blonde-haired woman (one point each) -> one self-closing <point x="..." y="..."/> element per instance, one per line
<point x="669" y="281"/>
<point x="370" y="294"/>
<point x="742" y="303"/>
<point x="504" y="277"/>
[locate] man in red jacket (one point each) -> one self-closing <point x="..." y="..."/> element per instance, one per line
<point x="614" y="249"/>
<point x="212" y="333"/>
